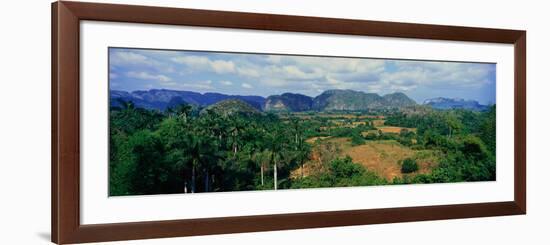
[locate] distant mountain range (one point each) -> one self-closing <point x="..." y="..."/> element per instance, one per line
<point x="330" y="100"/>
<point x="454" y="103"/>
<point x="164" y="98"/>
<point x="350" y="100"/>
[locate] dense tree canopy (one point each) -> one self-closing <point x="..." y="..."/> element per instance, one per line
<point x="186" y="149"/>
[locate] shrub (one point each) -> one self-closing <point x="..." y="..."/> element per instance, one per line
<point x="357" y="139"/>
<point x="345" y="168"/>
<point x="409" y="166"/>
<point x="388" y="136"/>
<point x="405" y="141"/>
<point x="371" y="136"/>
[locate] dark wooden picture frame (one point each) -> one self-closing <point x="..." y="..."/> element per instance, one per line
<point x="66" y="17"/>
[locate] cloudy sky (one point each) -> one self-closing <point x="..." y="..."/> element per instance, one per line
<point x="260" y="74"/>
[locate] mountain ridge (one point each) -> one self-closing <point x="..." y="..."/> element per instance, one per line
<point x="454" y="103"/>
<point x="329" y="100"/>
<point x="288" y="102"/>
<point x="162" y="99"/>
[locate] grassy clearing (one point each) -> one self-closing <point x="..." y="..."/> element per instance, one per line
<point x="392" y="129"/>
<point x="312" y="140"/>
<point x="378" y="123"/>
<point x="384" y="157"/>
<point x="387" y="129"/>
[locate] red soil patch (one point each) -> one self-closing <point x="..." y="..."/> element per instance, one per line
<point x="382" y="157"/>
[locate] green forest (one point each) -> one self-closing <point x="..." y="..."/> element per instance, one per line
<point x="187" y="149"/>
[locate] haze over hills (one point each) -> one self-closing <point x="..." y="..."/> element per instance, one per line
<point x="330" y="100"/>
<point x="454" y="103"/>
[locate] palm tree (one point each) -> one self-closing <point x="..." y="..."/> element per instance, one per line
<point x="261" y="156"/>
<point x="275" y="152"/>
<point x="295" y="123"/>
<point x="236" y="126"/>
<point x="274" y="160"/>
<point x="180" y="160"/>
<point x="202" y="155"/>
<point x="453" y="123"/>
<point x="216" y="125"/>
<point x="209" y="166"/>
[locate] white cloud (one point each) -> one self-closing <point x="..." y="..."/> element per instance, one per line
<point x="375" y="88"/>
<point x="248" y="71"/>
<point x="294" y="71"/>
<point x="304" y="74"/>
<point x="192" y="60"/>
<point x="204" y="63"/>
<point x="335" y="64"/>
<point x="297" y="72"/>
<point x="274" y="82"/>
<point x="126" y="57"/>
<point x="275" y="59"/>
<point x="335" y="82"/>
<point x="197" y="85"/>
<point x="289" y="72"/>
<point x="139" y="59"/>
<point x="222" y="66"/>
<point x="412" y="74"/>
<point x="146" y="76"/>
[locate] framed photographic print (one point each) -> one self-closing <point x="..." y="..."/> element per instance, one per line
<point x="177" y="122"/>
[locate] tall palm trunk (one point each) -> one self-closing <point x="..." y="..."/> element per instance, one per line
<point x="275" y="175"/>
<point x="234" y="143"/>
<point x="262" y="173"/>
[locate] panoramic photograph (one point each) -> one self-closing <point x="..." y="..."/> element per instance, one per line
<point x="203" y="121"/>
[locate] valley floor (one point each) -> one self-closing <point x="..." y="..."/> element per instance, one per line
<point x="383" y="157"/>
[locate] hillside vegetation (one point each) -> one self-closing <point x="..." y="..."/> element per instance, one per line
<point x="232" y="145"/>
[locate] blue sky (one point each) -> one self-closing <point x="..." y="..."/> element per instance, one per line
<point x="264" y="75"/>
